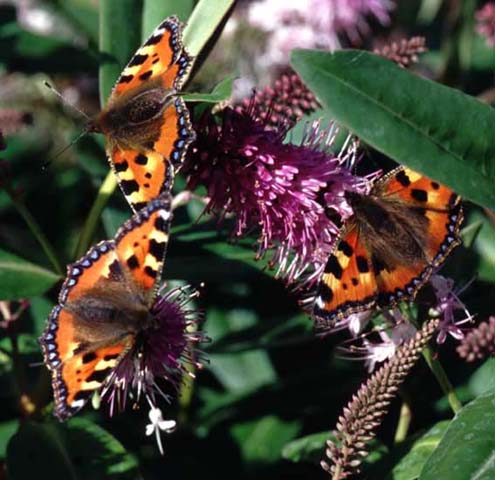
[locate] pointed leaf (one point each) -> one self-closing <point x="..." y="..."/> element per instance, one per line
<point x="22" y="279"/>
<point x="467" y="450"/>
<point x="436" y="130"/>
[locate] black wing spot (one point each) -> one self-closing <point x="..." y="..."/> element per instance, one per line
<point x="333" y="267"/>
<point x="362" y="264"/>
<point x="121" y="166"/>
<point x="435" y="185"/>
<point x="146" y="75"/>
<point x="419" y="195"/>
<point x="133" y="262"/>
<point x="161" y="224"/>
<point x="345" y="248"/>
<point x="89" y="357"/>
<point x="99" y="375"/>
<point x="129" y="186"/>
<point x="111" y="356"/>
<point x="126" y="78"/>
<point x="378" y="265"/>
<point x="326" y="293"/>
<point x="141" y="159"/>
<point x="403" y="179"/>
<point x="157" y="249"/>
<point x="150" y="271"/>
<point x="154" y="40"/>
<point x="354" y="281"/>
<point x="138" y="59"/>
<point x="147" y="175"/>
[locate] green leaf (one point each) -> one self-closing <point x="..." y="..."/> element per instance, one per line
<point x="241" y="371"/>
<point x="78" y="450"/>
<point x="261" y="441"/>
<point x="411" y="464"/>
<point x="436" y="130"/>
<point x="483" y="379"/>
<point x="203" y="23"/>
<point x="155" y="11"/>
<point x="467" y="450"/>
<point x="113" y="219"/>
<point x="83" y="14"/>
<point x="307" y="449"/>
<point x="22" y="279"/>
<point x="120" y="36"/>
<point x="484" y="246"/>
<point x="220" y="93"/>
<point x="7" y="429"/>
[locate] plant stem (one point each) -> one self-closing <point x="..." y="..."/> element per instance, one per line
<point x="106" y="189"/>
<point x="38" y="234"/>
<point x="443" y="381"/>
<point x="404" y="422"/>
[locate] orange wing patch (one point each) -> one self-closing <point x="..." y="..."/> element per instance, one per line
<point x="85" y="273"/>
<point x="348" y="284"/>
<point x="142" y="176"/>
<point x="141" y="244"/>
<point x="415" y="189"/>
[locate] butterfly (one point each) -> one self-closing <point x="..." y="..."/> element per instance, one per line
<point x="104" y="306"/>
<point x="146" y="123"/>
<point x="399" y="234"/>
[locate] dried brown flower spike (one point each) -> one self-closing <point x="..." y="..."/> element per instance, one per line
<point x="479" y="343"/>
<point x="364" y="413"/>
<point x="405" y="52"/>
<point x="284" y="102"/>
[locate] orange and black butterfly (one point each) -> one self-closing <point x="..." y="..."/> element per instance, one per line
<point x="105" y="304"/>
<point x="399" y="234"/>
<point x="145" y="122"/>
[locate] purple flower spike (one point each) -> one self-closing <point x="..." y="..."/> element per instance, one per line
<point x="293" y="195"/>
<point x="162" y="351"/>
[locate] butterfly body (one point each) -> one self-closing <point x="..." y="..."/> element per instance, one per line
<point x="146" y="123"/>
<point x="105" y="306"/>
<point x="388" y="249"/>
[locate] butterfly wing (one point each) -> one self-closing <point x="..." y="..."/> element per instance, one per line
<point x="348" y="284"/>
<point x="141" y="244"/>
<point x="102" y="302"/>
<point x="439" y="204"/>
<point x="162" y="56"/>
<point x="359" y="276"/>
<point x="145" y="157"/>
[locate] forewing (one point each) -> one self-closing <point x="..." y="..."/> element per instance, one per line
<point x="438" y="203"/>
<point x="161" y="56"/>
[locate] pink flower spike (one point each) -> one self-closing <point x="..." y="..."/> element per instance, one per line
<point x="485" y="23"/>
<point x="448" y="303"/>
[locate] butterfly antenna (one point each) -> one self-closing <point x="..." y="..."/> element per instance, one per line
<point x="65" y="101"/>
<point x="61" y="152"/>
